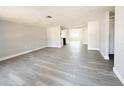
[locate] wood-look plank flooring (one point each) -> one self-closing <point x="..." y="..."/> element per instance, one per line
<point x="71" y="65"/>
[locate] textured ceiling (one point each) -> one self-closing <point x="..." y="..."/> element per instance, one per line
<point x="68" y="16"/>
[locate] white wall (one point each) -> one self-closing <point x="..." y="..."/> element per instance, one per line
<point x="98" y="35"/>
<point x="53" y="36"/>
<point x="75" y="34"/>
<point x="17" y="38"/>
<point x="93" y="35"/>
<point x="119" y="43"/>
<point x="104" y="35"/>
<point x="85" y="35"/>
<point x="63" y="33"/>
<point x="111" y="36"/>
<point x="67" y="37"/>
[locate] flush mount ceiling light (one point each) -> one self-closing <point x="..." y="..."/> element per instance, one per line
<point x="49" y="17"/>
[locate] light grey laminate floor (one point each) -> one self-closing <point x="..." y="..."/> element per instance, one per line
<point x="71" y="65"/>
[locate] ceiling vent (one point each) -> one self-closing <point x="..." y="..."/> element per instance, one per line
<point x="49" y="17"/>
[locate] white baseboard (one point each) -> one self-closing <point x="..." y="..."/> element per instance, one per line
<point x="93" y="48"/>
<point x="105" y="57"/>
<point x="54" y="46"/>
<point x="22" y="53"/>
<point x="118" y="75"/>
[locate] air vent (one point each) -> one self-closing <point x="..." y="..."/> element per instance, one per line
<point x="49" y="17"/>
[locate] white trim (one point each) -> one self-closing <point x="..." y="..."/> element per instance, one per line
<point x="118" y="75"/>
<point x="105" y="57"/>
<point x="93" y="48"/>
<point x="22" y="53"/>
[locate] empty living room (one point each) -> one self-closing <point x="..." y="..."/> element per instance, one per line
<point x="61" y="45"/>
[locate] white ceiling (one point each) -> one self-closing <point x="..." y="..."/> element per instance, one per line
<point x="68" y="16"/>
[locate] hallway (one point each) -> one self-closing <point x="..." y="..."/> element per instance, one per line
<point x="71" y="65"/>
